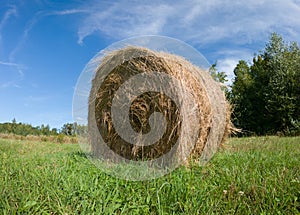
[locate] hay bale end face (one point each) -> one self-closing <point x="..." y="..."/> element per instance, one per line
<point x="208" y="114"/>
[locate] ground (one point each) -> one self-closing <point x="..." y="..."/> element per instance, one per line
<point x="257" y="175"/>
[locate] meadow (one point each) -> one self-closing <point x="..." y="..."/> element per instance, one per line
<point x="255" y="175"/>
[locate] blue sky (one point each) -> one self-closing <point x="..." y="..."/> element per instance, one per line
<point x="44" y="44"/>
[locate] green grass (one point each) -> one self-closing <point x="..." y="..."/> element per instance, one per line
<point x="259" y="175"/>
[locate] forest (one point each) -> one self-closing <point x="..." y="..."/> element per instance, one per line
<point x="265" y="95"/>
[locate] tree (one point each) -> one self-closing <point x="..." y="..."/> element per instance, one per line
<point x="13" y="125"/>
<point x="220" y="77"/>
<point x="216" y="75"/>
<point x="45" y="130"/>
<point x="241" y="96"/>
<point x="26" y="129"/>
<point x="68" y="129"/>
<point x="266" y="94"/>
<point x="54" y="131"/>
<point x="282" y="96"/>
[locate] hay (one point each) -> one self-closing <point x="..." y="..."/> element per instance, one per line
<point x="208" y="115"/>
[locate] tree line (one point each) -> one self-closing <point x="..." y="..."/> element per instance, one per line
<point x="24" y="129"/>
<point x="265" y="94"/>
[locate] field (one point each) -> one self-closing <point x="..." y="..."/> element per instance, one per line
<point x="257" y="175"/>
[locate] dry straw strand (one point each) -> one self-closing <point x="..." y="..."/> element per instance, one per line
<point x="211" y="108"/>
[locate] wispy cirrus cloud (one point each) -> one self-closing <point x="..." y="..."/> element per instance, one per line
<point x="9" y="64"/>
<point x="234" y="30"/>
<point x="18" y="67"/>
<point x="229" y="58"/>
<point x="12" y="75"/>
<point x="12" y="11"/>
<point x="11" y="71"/>
<point x="125" y="19"/>
<point x="66" y="12"/>
<point x="200" y="22"/>
<point x="227" y="26"/>
<point x="37" y="17"/>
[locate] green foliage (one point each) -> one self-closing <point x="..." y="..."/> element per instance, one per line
<point x="217" y="75"/>
<point x="68" y="129"/>
<point x="23" y="129"/>
<point x="249" y="176"/>
<point x="240" y="95"/>
<point x="27" y="129"/>
<point x="266" y="95"/>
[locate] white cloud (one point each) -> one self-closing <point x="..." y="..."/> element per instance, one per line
<point x="213" y="23"/>
<point x="11" y="74"/>
<point x="228" y="59"/>
<point x="234" y="30"/>
<point x="227" y="65"/>
<point x="19" y="68"/>
<point x="196" y="21"/>
<point x="33" y="21"/>
<point x="9" y="13"/>
<point x="9" y="84"/>
<point x="67" y="12"/>
<point x="28" y="27"/>
<point x="125" y="19"/>
<point x="12" y="71"/>
<point x="8" y="64"/>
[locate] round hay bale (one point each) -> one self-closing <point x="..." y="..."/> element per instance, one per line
<point x="192" y="129"/>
